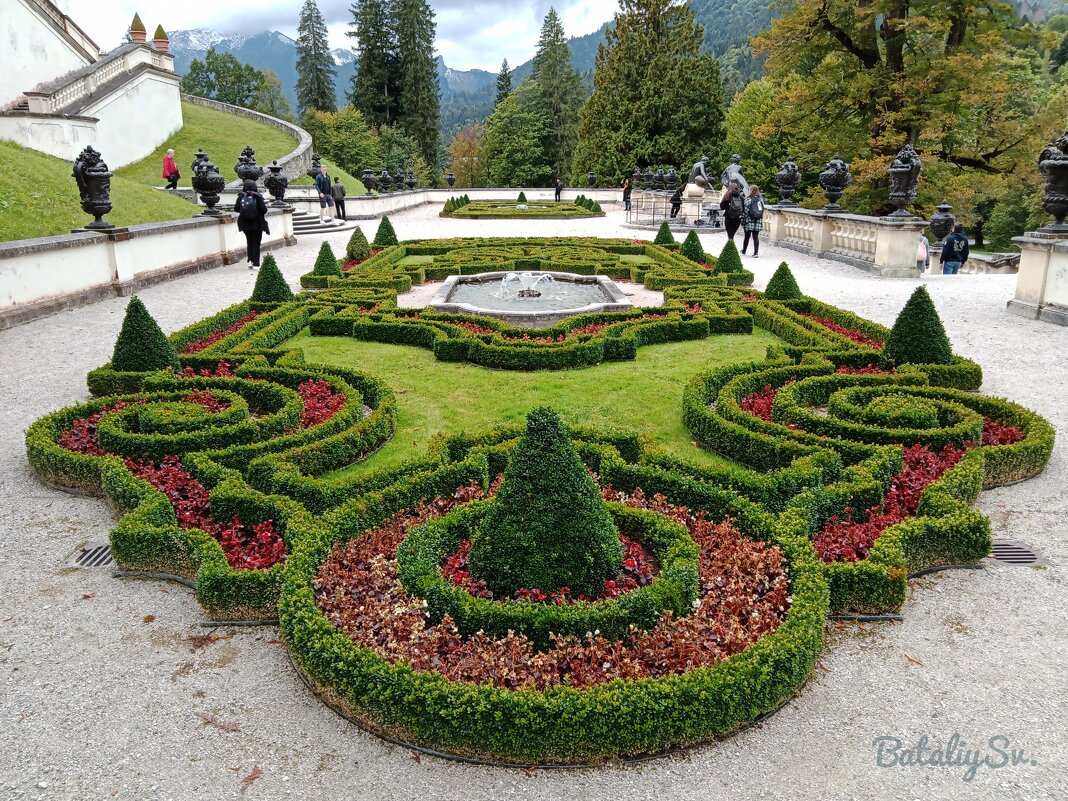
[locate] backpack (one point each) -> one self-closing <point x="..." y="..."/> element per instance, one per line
<point x="735" y="206"/>
<point x="248" y="207"/>
<point x="755" y="209"/>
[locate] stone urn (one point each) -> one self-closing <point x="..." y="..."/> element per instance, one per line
<point x="659" y="180"/>
<point x="208" y="183"/>
<point x="1053" y="163"/>
<point x="410" y="181"/>
<point x="94" y="186"/>
<point x="636" y="179"/>
<point x="671" y="179"/>
<point x="591" y="179"/>
<point x="834" y="179"/>
<point x="385" y="180"/>
<point x="367" y="178"/>
<point x="904" y="180"/>
<point x="246" y="168"/>
<point x="276" y="184"/>
<point x="450" y="179"/>
<point x="942" y="221"/>
<point x="788" y="178"/>
<point x="647" y="179"/>
<point x="315" y="167"/>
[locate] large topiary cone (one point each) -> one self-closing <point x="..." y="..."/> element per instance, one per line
<point x="729" y="261"/>
<point x="548" y="527"/>
<point x="782" y="285"/>
<point x="142" y="346"/>
<point x="358" y="249"/>
<point x="522" y="197"/>
<point x="691" y="248"/>
<point x="664" y="235"/>
<point x="326" y="262"/>
<point x="385" y="235"/>
<point x="918" y="336"/>
<point x="271" y="287"/>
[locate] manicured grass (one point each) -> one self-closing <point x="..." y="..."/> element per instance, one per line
<point x="38" y="197"/>
<point x="643" y="395"/>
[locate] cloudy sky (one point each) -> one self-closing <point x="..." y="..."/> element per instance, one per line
<point x="471" y="33"/>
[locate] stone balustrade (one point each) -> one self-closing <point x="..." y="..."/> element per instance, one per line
<point x="1042" y="281"/>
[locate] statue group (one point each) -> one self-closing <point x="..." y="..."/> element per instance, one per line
<point x="698" y="180"/>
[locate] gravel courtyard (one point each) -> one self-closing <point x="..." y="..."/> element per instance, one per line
<point x="110" y="688"/>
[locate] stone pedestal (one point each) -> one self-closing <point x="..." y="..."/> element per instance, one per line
<point x="1042" y="282"/>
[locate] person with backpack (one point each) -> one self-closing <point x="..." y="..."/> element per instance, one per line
<point x="251" y="211"/>
<point x="170" y="170"/>
<point x="923" y="254"/>
<point x="753" y="219"/>
<point x="954" y="251"/>
<point x="733" y="206"/>
<point x="326" y="198"/>
<point x="337" y="191"/>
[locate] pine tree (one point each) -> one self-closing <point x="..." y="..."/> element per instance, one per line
<point x="664" y="235"/>
<point x="691" y="248"/>
<point x="558" y="93"/>
<point x="141" y="345"/>
<point x="374" y="83"/>
<point x="504" y="82"/>
<point x="783" y="285"/>
<point x="385" y="235"/>
<point x="271" y="286"/>
<point x="918" y="336"/>
<point x="326" y="262"/>
<point x="315" y="63"/>
<point x="418" y="76"/>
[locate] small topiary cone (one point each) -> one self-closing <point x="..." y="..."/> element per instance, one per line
<point x="664" y="235"/>
<point x="326" y="262"/>
<point x="136" y="25"/>
<point x="691" y="248"/>
<point x="271" y="286"/>
<point x="522" y="197"/>
<point x="918" y="336"/>
<point x="141" y="345"/>
<point x="782" y="285"/>
<point x="385" y="235"/>
<point x="729" y="261"/>
<point x="357" y="249"/>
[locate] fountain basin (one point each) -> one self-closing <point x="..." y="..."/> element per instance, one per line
<point x="570" y="294"/>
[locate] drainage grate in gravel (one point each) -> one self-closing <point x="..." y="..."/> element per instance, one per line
<point x="1014" y="552"/>
<point x="93" y="556"/>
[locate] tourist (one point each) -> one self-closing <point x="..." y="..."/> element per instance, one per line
<point x="753" y="219"/>
<point x="954" y="251"/>
<point x="676" y="203"/>
<point x="337" y="191"/>
<point x="626" y="194"/>
<point x="170" y="170"/>
<point x="251" y="211"/>
<point x="326" y="199"/>
<point x="559" y="189"/>
<point x="923" y="254"/>
<point x="733" y="206"/>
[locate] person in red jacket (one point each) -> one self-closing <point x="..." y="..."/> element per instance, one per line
<point x="170" y="170"/>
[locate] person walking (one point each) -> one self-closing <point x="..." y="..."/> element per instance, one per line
<point x="753" y="219"/>
<point x="337" y="191"/>
<point x="923" y="254"/>
<point x="170" y="170"/>
<point x="676" y="203"/>
<point x="326" y="199"/>
<point x="251" y="211"/>
<point x="626" y="194"/>
<point x="954" y="251"/>
<point x="559" y="189"/>
<point x="733" y="206"/>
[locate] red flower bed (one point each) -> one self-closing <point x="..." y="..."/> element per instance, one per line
<point x="759" y="404"/>
<point x="539" y="340"/>
<point x="591" y="328"/>
<point x="222" y="370"/>
<point x="320" y="402"/>
<point x="475" y="328"/>
<point x="81" y="436"/>
<point x="211" y="339"/>
<point x="350" y="263"/>
<point x="870" y="369"/>
<point x="857" y="336"/>
<point x="995" y="433"/>
<point x="206" y="399"/>
<point x="694" y="308"/>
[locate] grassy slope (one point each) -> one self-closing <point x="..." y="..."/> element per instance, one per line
<point x="38" y="197"/>
<point x="352" y="184"/>
<point x="643" y="395"/>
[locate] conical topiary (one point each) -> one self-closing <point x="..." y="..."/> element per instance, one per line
<point x="522" y="197"/>
<point x="142" y="346"/>
<point x="782" y="285"/>
<point x="664" y="235"/>
<point x="326" y="262"/>
<point x="385" y="235"/>
<point x="691" y="248"/>
<point x="918" y="336"/>
<point x="357" y="249"/>
<point x="271" y="287"/>
<point x="729" y="261"/>
<point x="160" y="35"/>
<point x="137" y="25"/>
<point x="450" y="207"/>
<point x="548" y="527"/>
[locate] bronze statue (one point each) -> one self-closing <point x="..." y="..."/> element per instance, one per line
<point x="904" y="179"/>
<point x="94" y="186"/>
<point x="699" y="173"/>
<point x="734" y="172"/>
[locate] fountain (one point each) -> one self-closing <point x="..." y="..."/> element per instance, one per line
<point x="528" y="283"/>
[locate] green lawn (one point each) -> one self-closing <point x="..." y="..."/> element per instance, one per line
<point x="38" y="197"/>
<point x="644" y="395"/>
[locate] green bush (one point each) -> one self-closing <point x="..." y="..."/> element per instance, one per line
<point x="141" y="345"/>
<point x="357" y="249"/>
<point x="664" y="235"/>
<point x="522" y="198"/>
<point x="729" y="261"/>
<point x="782" y="285"/>
<point x="326" y="262"/>
<point x="691" y="248"/>
<point x="271" y="286"/>
<point x="918" y="336"/>
<point x="385" y="235"/>
<point x="548" y="527"/>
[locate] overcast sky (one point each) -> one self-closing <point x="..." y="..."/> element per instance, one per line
<point x="471" y="33"/>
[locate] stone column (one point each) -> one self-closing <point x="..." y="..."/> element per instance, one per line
<point x="774" y="224"/>
<point x="1042" y="283"/>
<point x="821" y="233"/>
<point x="896" y="243"/>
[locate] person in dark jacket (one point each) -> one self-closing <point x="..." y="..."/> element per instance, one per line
<point x="326" y="199"/>
<point x="626" y="194"/>
<point x="954" y="251"/>
<point x="251" y="211"/>
<point x="559" y="189"/>
<point x="337" y="191"/>
<point x="732" y="204"/>
<point x="676" y="203"/>
<point x="753" y="219"/>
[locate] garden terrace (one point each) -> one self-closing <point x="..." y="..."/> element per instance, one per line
<point x="518" y="210"/>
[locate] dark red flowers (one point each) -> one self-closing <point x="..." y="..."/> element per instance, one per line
<point x="857" y="336"/>
<point x="211" y="339"/>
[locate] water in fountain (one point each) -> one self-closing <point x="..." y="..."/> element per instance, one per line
<point x="528" y="285"/>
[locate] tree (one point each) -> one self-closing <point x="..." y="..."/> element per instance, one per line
<point x="315" y="63"/>
<point x="504" y="83"/>
<point x="419" y="108"/>
<point x="762" y="145"/>
<point x="656" y="99"/>
<point x="141" y="345"/>
<point x="374" y="83"/>
<point x="918" y="336"/>
<point x="466" y="159"/>
<point x="220" y="76"/>
<point x="269" y="97"/>
<point x="513" y="141"/>
<point x="558" y="93"/>
<point x="344" y="137"/>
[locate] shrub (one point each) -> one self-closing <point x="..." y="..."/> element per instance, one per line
<point x="782" y="285"/>
<point x="326" y="262"/>
<point x="692" y="250"/>
<point x="358" y="249"/>
<point x="548" y="527"/>
<point x="596" y="207"/>
<point x="729" y="261"/>
<point x="918" y="336"/>
<point x="142" y="346"/>
<point x="271" y="286"/>
<point x="664" y="235"/>
<point x="450" y="207"/>
<point x="385" y="235"/>
<point x="522" y="197"/>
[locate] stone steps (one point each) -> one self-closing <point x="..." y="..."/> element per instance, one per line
<point x="305" y="223"/>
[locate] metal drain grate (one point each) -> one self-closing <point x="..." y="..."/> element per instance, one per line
<point x="1014" y="552"/>
<point x="93" y="556"/>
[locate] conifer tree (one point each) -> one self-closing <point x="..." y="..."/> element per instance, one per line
<point x="374" y="83"/>
<point x="315" y="63"/>
<point x="417" y="72"/>
<point x="141" y="345"/>
<point x="326" y="262"/>
<point x="692" y="249"/>
<point x="664" y="235"/>
<point x="385" y="235"/>
<point x="918" y="336"/>
<point x="783" y="285"/>
<point x="271" y="286"/>
<point x="557" y="93"/>
<point x="504" y="82"/>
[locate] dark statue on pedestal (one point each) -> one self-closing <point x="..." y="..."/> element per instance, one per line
<point x="313" y="170"/>
<point x="367" y="178"/>
<point x="788" y="178"/>
<point x="208" y="183"/>
<point x="734" y="173"/>
<point x="834" y="179"/>
<point x="699" y="173"/>
<point x="1053" y="162"/>
<point x="591" y="179"/>
<point x="647" y="179"/>
<point x="410" y="181"/>
<point x="246" y="168"/>
<point x="276" y="184"/>
<point x="672" y="179"/>
<point x="385" y="180"/>
<point x="94" y="187"/>
<point x="942" y="221"/>
<point x="904" y="179"/>
<point x="450" y="179"/>
<point x="659" y="180"/>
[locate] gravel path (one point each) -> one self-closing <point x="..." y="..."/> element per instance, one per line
<point x="104" y="695"/>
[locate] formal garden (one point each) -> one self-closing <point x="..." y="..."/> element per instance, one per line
<point x="519" y="209"/>
<point x="615" y="536"/>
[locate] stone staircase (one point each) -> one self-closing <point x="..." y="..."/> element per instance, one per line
<point x="305" y="223"/>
